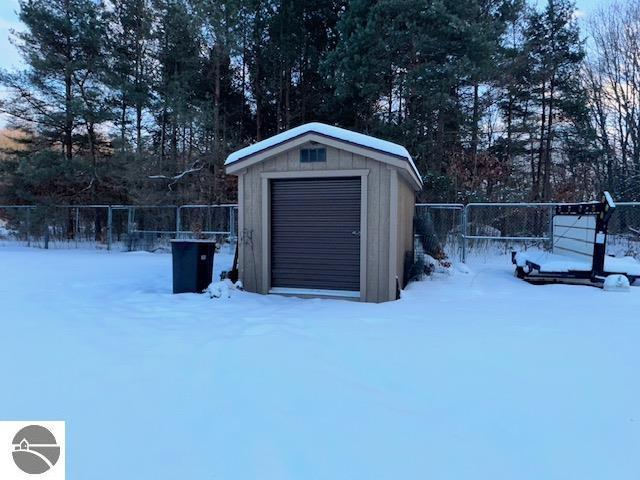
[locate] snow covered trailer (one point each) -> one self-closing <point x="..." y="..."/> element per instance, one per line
<point x="578" y="253"/>
<point x="324" y="211"/>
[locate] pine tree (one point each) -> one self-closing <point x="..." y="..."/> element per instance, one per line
<point x="59" y="47"/>
<point x="555" y="50"/>
<point x="404" y="70"/>
<point x="129" y="71"/>
<point x="178" y="57"/>
<point x="60" y="97"/>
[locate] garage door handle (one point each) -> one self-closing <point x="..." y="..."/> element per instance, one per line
<point x="356" y="233"/>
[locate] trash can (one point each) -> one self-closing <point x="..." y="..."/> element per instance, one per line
<point x="192" y="265"/>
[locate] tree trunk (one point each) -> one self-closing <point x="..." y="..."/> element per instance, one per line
<point x="216" y="103"/>
<point x="163" y="135"/>
<point x="123" y="127"/>
<point x="68" y="123"/>
<point x="546" y="186"/>
<point x="287" y="100"/>
<point x="543" y="120"/>
<point x="139" y="130"/>
<point x="474" y="130"/>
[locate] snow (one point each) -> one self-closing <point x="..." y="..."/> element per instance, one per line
<point x="553" y="262"/>
<point x="223" y="289"/>
<point x="616" y="283"/>
<point x="477" y="375"/>
<point x="331" y="131"/>
<point x="622" y="265"/>
<point x="4" y="229"/>
<point x="609" y="200"/>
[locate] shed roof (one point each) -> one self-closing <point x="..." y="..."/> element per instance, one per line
<point x="323" y="130"/>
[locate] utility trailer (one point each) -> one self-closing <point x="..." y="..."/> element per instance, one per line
<point x="578" y="253"/>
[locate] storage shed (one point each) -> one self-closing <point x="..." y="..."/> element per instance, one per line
<point x="324" y="211"/>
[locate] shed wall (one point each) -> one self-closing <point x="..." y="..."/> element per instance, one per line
<point x="406" y="210"/>
<point x="378" y="202"/>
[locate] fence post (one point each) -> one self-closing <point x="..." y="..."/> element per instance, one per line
<point x="129" y="220"/>
<point x="77" y="225"/>
<point x="28" y="226"/>
<point x="551" y="212"/>
<point x="46" y="229"/>
<point x="109" y="226"/>
<point x="232" y="222"/>
<point x="464" y="219"/>
<point x="129" y="228"/>
<point x="178" y="221"/>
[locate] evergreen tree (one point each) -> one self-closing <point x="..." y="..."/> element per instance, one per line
<point x="178" y="57"/>
<point x="60" y="47"/>
<point x="402" y="69"/>
<point x="143" y="99"/>
<point x="60" y="99"/>
<point x="129" y="71"/>
<point x="556" y="52"/>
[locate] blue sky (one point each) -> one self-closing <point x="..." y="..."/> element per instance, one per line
<point x="8" y="20"/>
<point x="9" y="57"/>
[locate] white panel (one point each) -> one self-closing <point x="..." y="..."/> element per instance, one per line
<point x="573" y="235"/>
<point x="582" y="221"/>
<point x="567" y="246"/>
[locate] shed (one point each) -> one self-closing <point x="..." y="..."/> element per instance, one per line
<point x="324" y="211"/>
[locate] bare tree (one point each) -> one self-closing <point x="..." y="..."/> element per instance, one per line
<point x="612" y="77"/>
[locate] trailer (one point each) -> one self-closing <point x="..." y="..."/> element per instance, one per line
<point x="578" y="253"/>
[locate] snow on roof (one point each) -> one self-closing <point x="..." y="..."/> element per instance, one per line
<point x="330" y="131"/>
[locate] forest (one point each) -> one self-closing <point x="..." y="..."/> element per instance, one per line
<point x="140" y="101"/>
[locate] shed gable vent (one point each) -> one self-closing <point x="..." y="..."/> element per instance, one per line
<point x="309" y="155"/>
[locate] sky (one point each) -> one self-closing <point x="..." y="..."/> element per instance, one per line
<point x="8" y="19"/>
<point x="9" y="58"/>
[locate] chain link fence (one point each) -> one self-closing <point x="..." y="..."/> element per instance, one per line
<point x="498" y="228"/>
<point x="459" y="231"/>
<point x="624" y="230"/>
<point x="123" y="227"/>
<point x="439" y="230"/>
<point x="485" y="229"/>
<point x="46" y="227"/>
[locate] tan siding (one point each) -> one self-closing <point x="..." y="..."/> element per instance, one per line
<point x="384" y="213"/>
<point x="293" y="161"/>
<point x="256" y="185"/>
<point x="241" y="200"/>
<point x="244" y="255"/>
<point x="406" y="207"/>
<point x="346" y="160"/>
<point x="252" y="229"/>
<point x="359" y="161"/>
<point x="373" y="230"/>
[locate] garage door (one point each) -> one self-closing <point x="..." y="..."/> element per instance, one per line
<point x="315" y="234"/>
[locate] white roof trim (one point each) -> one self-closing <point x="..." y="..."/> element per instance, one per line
<point x="337" y="133"/>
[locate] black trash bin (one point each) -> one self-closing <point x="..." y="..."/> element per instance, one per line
<point x="192" y="265"/>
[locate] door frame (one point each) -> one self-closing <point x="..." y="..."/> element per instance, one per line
<point x="266" y="178"/>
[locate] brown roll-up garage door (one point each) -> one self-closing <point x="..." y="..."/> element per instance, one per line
<point x="315" y="233"/>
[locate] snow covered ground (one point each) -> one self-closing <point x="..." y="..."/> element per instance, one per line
<point x="468" y="376"/>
